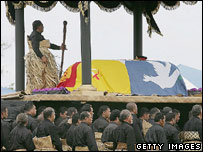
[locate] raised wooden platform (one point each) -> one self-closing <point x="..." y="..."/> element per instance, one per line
<point x="123" y="99"/>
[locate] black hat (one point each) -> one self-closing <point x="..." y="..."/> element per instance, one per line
<point x="36" y="24"/>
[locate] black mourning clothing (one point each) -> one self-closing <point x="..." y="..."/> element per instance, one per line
<point x="35" y="39"/>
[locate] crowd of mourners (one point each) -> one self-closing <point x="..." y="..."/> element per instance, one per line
<point x="112" y="130"/>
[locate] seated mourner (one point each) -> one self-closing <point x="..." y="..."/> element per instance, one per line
<point x="5" y="128"/>
<point x="137" y="126"/>
<point x="156" y="134"/>
<point x="70" y="132"/>
<point x="177" y="118"/>
<point x="102" y="122"/>
<point x="40" y="116"/>
<point x="20" y="137"/>
<point x="30" y="110"/>
<point x="124" y="138"/>
<point x="195" y="123"/>
<point x="47" y="128"/>
<point x="62" y="115"/>
<point x="144" y="118"/>
<point x="107" y="135"/>
<point x="39" y="119"/>
<point x="64" y="126"/>
<point x="87" y="107"/>
<point x="84" y="138"/>
<point x="152" y="113"/>
<point x="170" y="130"/>
<point x="166" y="110"/>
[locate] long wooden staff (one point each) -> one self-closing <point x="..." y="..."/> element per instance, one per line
<point x="62" y="56"/>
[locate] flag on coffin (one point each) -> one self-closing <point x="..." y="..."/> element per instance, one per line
<point x="129" y="77"/>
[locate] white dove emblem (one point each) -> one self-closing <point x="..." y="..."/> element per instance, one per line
<point x="162" y="79"/>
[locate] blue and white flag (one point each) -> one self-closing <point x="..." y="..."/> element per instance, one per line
<point x="155" y="77"/>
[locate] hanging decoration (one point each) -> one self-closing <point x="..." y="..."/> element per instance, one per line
<point x="149" y="8"/>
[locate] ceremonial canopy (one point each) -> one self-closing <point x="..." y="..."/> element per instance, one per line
<point x="15" y="15"/>
<point x="148" y="8"/>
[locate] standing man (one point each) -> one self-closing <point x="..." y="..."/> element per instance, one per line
<point x="41" y="66"/>
<point x="132" y="107"/>
<point x="124" y="137"/>
<point x="84" y="138"/>
<point x="156" y="133"/>
<point x="170" y="131"/>
<point x="102" y="122"/>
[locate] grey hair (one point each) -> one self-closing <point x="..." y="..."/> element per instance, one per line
<point x="131" y="106"/>
<point x="124" y="114"/>
<point x="196" y="110"/>
<point x="48" y="112"/>
<point x="22" y="118"/>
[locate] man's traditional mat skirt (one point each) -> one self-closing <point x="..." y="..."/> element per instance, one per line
<point x="65" y="146"/>
<point x="98" y="135"/>
<point x="121" y="147"/>
<point x="78" y="148"/>
<point x="189" y="136"/>
<point x="43" y="144"/>
<point x="100" y="145"/>
<point x="40" y="75"/>
<point x="108" y="146"/>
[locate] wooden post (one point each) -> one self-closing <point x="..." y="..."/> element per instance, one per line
<point x="86" y="49"/>
<point x="86" y="88"/>
<point x="137" y="15"/>
<point x="20" y="50"/>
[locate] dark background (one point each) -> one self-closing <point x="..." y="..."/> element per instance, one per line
<point x="14" y="107"/>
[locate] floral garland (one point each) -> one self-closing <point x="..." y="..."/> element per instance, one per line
<point x="61" y="90"/>
<point x="195" y="89"/>
<point x="195" y="92"/>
